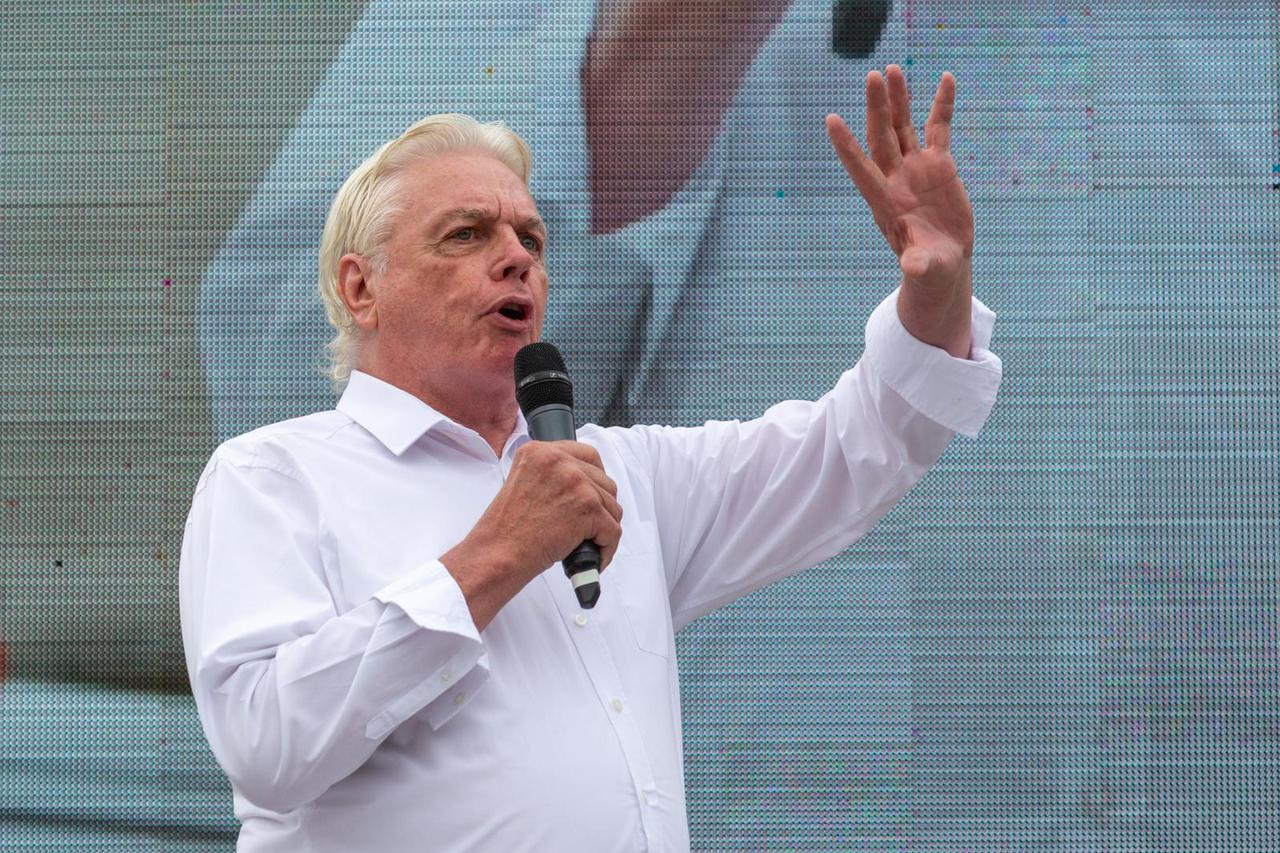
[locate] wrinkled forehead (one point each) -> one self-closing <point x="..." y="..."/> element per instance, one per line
<point x="467" y="179"/>
<point x="455" y="188"/>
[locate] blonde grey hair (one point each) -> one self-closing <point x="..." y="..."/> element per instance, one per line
<point x="365" y="210"/>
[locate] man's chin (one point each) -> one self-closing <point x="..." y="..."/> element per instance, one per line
<point x="503" y="356"/>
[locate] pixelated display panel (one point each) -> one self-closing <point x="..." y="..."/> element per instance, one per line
<point x="1063" y="638"/>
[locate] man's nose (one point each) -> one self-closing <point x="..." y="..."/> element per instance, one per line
<point x="513" y="258"/>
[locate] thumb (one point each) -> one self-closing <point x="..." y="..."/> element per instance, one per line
<point x="915" y="262"/>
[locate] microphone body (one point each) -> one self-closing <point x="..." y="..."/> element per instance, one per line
<point x="545" y="395"/>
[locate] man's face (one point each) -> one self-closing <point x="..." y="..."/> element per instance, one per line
<point x="466" y="252"/>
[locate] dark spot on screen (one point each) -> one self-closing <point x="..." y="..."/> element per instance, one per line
<point x="856" y="26"/>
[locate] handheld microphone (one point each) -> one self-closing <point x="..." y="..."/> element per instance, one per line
<point x="545" y="395"/>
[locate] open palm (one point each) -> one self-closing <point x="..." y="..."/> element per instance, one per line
<point x="915" y="194"/>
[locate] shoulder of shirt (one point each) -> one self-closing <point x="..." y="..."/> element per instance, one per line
<point x="633" y="444"/>
<point x="619" y="439"/>
<point x="277" y="446"/>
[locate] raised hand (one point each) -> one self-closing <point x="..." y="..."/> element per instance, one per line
<point x="919" y="203"/>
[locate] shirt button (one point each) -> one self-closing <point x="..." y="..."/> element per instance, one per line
<point x="446" y="676"/>
<point x="617" y="705"/>
<point x="459" y="699"/>
<point x="644" y="798"/>
<point x="581" y="620"/>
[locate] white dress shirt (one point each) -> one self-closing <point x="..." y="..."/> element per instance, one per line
<point x="345" y="689"/>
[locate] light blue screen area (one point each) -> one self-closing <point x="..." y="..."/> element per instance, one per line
<point x="1065" y="637"/>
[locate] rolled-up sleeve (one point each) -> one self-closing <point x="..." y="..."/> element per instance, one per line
<point x="956" y="392"/>
<point x="293" y="695"/>
<point x="742" y="504"/>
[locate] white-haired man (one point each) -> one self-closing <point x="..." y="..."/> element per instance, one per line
<point x="383" y="650"/>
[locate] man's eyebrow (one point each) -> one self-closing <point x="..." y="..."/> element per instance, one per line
<point x="531" y="223"/>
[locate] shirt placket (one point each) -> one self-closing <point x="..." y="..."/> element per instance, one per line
<point x="603" y="672"/>
<point x="605" y="677"/>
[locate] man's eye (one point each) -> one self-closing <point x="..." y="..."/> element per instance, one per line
<point x="530" y="243"/>
<point x="464" y="234"/>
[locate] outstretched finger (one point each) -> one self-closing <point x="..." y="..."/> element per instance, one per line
<point x="881" y="137"/>
<point x="900" y="109"/>
<point x="937" y="130"/>
<point x="866" y="175"/>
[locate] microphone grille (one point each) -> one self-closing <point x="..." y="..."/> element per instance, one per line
<point x="547" y="378"/>
<point x="536" y="358"/>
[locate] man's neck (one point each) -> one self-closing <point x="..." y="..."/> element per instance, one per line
<point x="492" y="415"/>
<point x="494" y="423"/>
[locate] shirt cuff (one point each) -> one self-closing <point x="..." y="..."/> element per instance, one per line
<point x="432" y="599"/>
<point x="957" y="393"/>
<point x="430" y="596"/>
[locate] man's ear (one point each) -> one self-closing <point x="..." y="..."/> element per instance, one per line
<point x="355" y="288"/>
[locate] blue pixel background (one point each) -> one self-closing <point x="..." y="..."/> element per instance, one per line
<point x="1064" y="638"/>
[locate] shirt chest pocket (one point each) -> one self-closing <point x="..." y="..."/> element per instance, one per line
<point x="638" y="586"/>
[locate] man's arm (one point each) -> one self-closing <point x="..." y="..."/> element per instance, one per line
<point x="658" y="77"/>
<point x="292" y="695"/>
<point x="743" y="504"/>
<point x="295" y="696"/>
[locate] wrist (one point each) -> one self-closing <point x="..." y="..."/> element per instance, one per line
<point x="939" y="315"/>
<point x="484" y="571"/>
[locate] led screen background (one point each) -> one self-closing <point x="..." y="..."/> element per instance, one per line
<point x="1063" y="638"/>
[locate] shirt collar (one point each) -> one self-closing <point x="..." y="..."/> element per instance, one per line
<point x="394" y="416"/>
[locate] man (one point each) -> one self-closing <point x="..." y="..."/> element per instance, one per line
<point x="627" y="128"/>
<point x="381" y="644"/>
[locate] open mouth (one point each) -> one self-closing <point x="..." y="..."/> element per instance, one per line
<point x="513" y="311"/>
